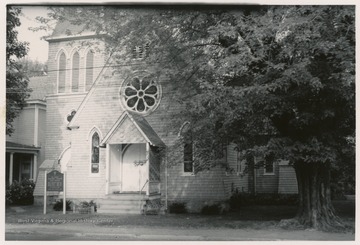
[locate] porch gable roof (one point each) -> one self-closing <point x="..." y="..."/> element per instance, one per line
<point x="142" y="126"/>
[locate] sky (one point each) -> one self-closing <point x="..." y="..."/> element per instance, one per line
<point x="38" y="48"/>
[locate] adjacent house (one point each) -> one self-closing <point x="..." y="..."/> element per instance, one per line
<point x="109" y="131"/>
<point x="25" y="148"/>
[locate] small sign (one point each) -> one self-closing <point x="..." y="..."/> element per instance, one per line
<point x="55" y="181"/>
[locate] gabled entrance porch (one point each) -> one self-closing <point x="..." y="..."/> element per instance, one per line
<point x="132" y="164"/>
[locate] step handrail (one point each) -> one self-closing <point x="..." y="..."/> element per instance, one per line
<point x="144" y="185"/>
<point x="141" y="191"/>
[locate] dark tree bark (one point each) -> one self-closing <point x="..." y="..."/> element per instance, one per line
<point x="315" y="206"/>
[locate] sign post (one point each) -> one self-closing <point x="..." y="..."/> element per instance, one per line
<point x="54" y="181"/>
<point x="64" y="197"/>
<point x="45" y="187"/>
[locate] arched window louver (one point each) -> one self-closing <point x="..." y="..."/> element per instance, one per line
<point x="89" y="77"/>
<point x="75" y="72"/>
<point x="95" y="153"/>
<point x="141" y="52"/>
<point x="62" y="73"/>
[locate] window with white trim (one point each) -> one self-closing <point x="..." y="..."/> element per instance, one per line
<point x="95" y="153"/>
<point x="62" y="73"/>
<point x="75" y="72"/>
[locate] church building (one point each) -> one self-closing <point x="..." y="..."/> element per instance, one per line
<point x="110" y="131"/>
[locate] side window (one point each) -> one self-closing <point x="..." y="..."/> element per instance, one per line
<point x="62" y="73"/>
<point x="95" y="153"/>
<point x="239" y="163"/>
<point x="188" y="157"/>
<point x="269" y="164"/>
<point x="89" y="76"/>
<point x="75" y="72"/>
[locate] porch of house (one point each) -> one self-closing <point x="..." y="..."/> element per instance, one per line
<point x="133" y="179"/>
<point x="132" y="166"/>
<point x="21" y="162"/>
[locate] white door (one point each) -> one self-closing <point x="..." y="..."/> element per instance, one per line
<point x="134" y="168"/>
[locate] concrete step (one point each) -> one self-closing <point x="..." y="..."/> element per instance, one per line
<point x="125" y="197"/>
<point x="119" y="211"/>
<point x="121" y="202"/>
<point x="129" y="203"/>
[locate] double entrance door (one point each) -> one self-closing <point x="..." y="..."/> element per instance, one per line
<point x="128" y="168"/>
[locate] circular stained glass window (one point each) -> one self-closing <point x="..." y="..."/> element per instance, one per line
<point x="141" y="94"/>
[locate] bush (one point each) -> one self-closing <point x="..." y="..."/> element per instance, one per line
<point x="86" y="204"/>
<point x="20" y="193"/>
<point x="211" y="209"/>
<point x="178" y="208"/>
<point x="58" y="206"/>
<point x="245" y="199"/>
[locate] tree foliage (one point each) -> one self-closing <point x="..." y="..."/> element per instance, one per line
<point x="32" y="68"/>
<point x="16" y="80"/>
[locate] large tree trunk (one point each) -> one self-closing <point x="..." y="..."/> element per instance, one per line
<point x="315" y="207"/>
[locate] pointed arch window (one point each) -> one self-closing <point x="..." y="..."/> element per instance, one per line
<point x="62" y="73"/>
<point x="188" y="157"/>
<point x="89" y="76"/>
<point x="75" y="72"/>
<point x="95" y="153"/>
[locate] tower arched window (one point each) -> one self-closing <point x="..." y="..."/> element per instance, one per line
<point x="75" y="72"/>
<point x="95" y="153"/>
<point x="62" y="73"/>
<point x="89" y="76"/>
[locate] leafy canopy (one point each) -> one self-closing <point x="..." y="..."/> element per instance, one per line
<point x="276" y="79"/>
<point x="16" y="81"/>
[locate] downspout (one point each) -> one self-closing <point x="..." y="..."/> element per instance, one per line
<point x="166" y="183"/>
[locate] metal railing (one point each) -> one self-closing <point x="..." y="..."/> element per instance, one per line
<point x="140" y="193"/>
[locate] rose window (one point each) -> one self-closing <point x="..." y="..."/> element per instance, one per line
<point x="141" y="94"/>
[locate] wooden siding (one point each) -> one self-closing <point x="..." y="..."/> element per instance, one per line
<point x="234" y="181"/>
<point x="126" y="133"/>
<point x="267" y="183"/>
<point x="58" y="137"/>
<point x="24" y="127"/>
<point x="287" y="179"/>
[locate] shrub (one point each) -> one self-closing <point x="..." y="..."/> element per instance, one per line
<point x="178" y="208"/>
<point x="211" y="209"/>
<point x="85" y="204"/>
<point x="20" y="193"/>
<point x="58" y="206"/>
<point x="245" y="199"/>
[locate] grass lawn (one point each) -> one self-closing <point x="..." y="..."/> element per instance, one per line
<point x="250" y="217"/>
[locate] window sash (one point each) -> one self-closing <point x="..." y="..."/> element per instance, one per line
<point x="95" y="153"/>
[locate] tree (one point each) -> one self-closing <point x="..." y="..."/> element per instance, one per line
<point x="16" y="81"/>
<point x="32" y="67"/>
<point x="276" y="80"/>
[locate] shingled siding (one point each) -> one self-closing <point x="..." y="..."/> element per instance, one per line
<point x="42" y="135"/>
<point x="60" y="105"/>
<point x="267" y="183"/>
<point x="57" y="135"/>
<point x="234" y="181"/>
<point x="81" y="182"/>
<point x="287" y="179"/>
<point x="24" y="127"/>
